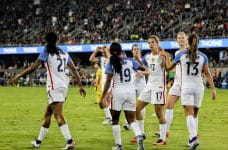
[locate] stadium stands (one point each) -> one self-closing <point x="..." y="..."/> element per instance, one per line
<point x="94" y="21"/>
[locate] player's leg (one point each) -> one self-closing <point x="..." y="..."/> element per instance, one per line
<point x="159" y="108"/>
<point x="57" y="109"/>
<point x="116" y="129"/>
<point x="44" y="128"/>
<point x="187" y="101"/>
<point x="108" y="116"/>
<point x="130" y="116"/>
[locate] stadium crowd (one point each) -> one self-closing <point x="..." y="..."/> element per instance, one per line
<point x="95" y="21"/>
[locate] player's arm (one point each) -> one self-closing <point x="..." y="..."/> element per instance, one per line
<point x="107" y="52"/>
<point x="92" y="57"/>
<point x="28" y="70"/>
<point x="77" y="77"/>
<point x="106" y="87"/>
<point x="207" y="74"/>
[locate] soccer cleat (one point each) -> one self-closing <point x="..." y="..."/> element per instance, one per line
<point x="134" y="140"/>
<point x="69" y="146"/>
<point x="107" y="121"/>
<point x="117" y="147"/>
<point x="193" y="143"/>
<point x="158" y="134"/>
<point x="160" y="142"/>
<point x="36" y="143"/>
<point x="126" y="126"/>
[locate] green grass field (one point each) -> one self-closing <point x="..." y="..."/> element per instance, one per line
<point x="22" y="109"/>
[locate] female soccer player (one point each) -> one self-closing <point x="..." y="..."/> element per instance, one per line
<point x="155" y="90"/>
<point x="175" y="90"/>
<point x="140" y="84"/>
<point x="193" y="63"/>
<point x="55" y="61"/>
<point x="120" y="69"/>
<point x="103" y="60"/>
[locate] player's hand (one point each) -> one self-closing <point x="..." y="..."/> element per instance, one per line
<point x="213" y="94"/>
<point x="139" y="74"/>
<point x="82" y="92"/>
<point x="14" y="79"/>
<point x="101" y="105"/>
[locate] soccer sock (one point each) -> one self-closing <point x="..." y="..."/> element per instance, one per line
<point x="65" y="132"/>
<point x="43" y="133"/>
<point x="141" y="125"/>
<point x="116" y="134"/>
<point x="162" y="130"/>
<point x="196" y="121"/>
<point x="168" y="118"/>
<point x="136" y="129"/>
<point x="107" y="113"/>
<point x="191" y="126"/>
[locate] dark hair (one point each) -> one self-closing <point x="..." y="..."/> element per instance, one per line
<point x="193" y="42"/>
<point x="51" y="39"/>
<point x="134" y="46"/>
<point x="115" y="60"/>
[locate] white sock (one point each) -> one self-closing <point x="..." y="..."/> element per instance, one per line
<point x="168" y="118"/>
<point x="136" y="129"/>
<point x="43" y="133"/>
<point x="65" y="132"/>
<point x="162" y="130"/>
<point x="191" y="126"/>
<point x="116" y="134"/>
<point x="107" y="113"/>
<point x="196" y="121"/>
<point x="141" y="125"/>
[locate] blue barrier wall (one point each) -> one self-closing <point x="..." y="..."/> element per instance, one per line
<point x="168" y="45"/>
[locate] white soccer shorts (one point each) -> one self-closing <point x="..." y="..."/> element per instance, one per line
<point x="57" y="95"/>
<point x="192" y="97"/>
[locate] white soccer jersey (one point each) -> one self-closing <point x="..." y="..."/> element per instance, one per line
<point x="177" y="79"/>
<point x="140" y="83"/>
<point x="191" y="74"/>
<point x="157" y="73"/>
<point x="56" y="69"/>
<point x="123" y="82"/>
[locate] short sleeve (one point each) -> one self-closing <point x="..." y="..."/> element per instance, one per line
<point x="144" y="60"/>
<point x="205" y="58"/>
<point x="108" y="69"/>
<point x="135" y="65"/>
<point x="43" y="56"/>
<point x="69" y="59"/>
<point x="178" y="57"/>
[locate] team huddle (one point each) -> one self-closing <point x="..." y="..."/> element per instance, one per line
<point x="130" y="84"/>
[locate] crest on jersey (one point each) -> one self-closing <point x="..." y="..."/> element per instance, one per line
<point x="152" y="59"/>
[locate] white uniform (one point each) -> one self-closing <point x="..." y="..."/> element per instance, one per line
<point x="192" y="88"/>
<point x="57" y="81"/>
<point x="155" y="89"/>
<point x="123" y="89"/>
<point x="176" y="88"/>
<point x="140" y="84"/>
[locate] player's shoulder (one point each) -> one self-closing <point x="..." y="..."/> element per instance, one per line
<point x="202" y="54"/>
<point x="182" y="53"/>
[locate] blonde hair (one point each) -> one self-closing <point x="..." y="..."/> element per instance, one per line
<point x="155" y="38"/>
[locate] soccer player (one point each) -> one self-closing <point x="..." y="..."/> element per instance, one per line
<point x="121" y="70"/>
<point x="97" y="83"/>
<point x="193" y="63"/>
<point x="55" y="61"/>
<point x="155" y="90"/>
<point x="175" y="90"/>
<point x="103" y="60"/>
<point x="140" y="84"/>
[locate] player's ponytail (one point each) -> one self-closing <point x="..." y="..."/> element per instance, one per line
<point x="193" y="42"/>
<point x="51" y="39"/>
<point x="115" y="60"/>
